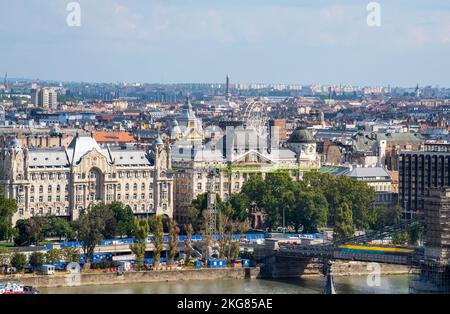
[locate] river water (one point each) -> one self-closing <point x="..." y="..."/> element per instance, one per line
<point x="397" y="284"/>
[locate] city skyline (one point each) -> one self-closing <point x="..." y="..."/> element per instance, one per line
<point x="267" y="42"/>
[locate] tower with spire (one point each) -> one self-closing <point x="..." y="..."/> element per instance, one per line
<point x="228" y="90"/>
<point x="417" y="91"/>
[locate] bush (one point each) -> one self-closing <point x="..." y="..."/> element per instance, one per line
<point x="37" y="259"/>
<point x="53" y="256"/>
<point x="19" y="261"/>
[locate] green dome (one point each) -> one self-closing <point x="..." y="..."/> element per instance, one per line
<point x="301" y="135"/>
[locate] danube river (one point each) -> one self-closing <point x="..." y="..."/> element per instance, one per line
<point x="397" y="284"/>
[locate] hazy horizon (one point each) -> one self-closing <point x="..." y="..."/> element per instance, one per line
<point x="325" y="42"/>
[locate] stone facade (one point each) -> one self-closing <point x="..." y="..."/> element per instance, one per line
<point x="63" y="181"/>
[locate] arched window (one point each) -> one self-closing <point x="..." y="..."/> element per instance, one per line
<point x="41" y="189"/>
<point x="135" y="187"/>
<point x="143" y="186"/>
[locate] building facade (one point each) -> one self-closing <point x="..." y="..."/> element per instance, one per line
<point x="436" y="203"/>
<point x="419" y="171"/>
<point x="64" y="181"/>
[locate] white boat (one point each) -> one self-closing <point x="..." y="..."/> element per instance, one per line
<point x="14" y="288"/>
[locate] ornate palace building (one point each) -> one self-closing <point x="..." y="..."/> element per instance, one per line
<point x="63" y="181"/>
<point x="223" y="165"/>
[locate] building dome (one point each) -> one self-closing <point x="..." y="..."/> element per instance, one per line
<point x="159" y="141"/>
<point x="301" y="135"/>
<point x="176" y="130"/>
<point x="14" y="143"/>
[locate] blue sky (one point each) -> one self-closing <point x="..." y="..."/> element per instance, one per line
<point x="267" y="41"/>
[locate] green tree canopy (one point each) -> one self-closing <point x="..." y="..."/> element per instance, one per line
<point x="37" y="259"/>
<point x="19" y="261"/>
<point x="140" y="233"/>
<point x="124" y="218"/>
<point x="7" y="209"/>
<point x="344" y="227"/>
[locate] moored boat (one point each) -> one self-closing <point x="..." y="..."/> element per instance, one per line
<point x="14" y="288"/>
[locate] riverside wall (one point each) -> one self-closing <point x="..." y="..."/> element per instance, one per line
<point x="88" y="279"/>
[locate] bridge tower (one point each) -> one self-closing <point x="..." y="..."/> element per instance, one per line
<point x="329" y="286"/>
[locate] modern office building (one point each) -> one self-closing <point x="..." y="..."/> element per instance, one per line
<point x="419" y="171"/>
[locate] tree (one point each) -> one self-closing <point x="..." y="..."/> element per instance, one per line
<point x="311" y="211"/>
<point x="188" y="243"/>
<point x="401" y="238"/>
<point x="156" y="228"/>
<point x="195" y="211"/>
<point x="141" y="230"/>
<point x="19" y="261"/>
<point x="92" y="227"/>
<point x="58" y="227"/>
<point x="386" y="216"/>
<point x="53" y="256"/>
<point x="5" y="258"/>
<point x="70" y="254"/>
<point x="124" y="218"/>
<point x="174" y="233"/>
<point x="7" y="209"/>
<point x="344" y="227"/>
<point x="29" y="231"/>
<point x="37" y="259"/>
<point x="224" y="225"/>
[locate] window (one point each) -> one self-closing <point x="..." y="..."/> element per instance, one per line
<point x="143" y="186"/>
<point x="119" y="196"/>
<point x="199" y="186"/>
<point x="127" y="187"/>
<point x="49" y="198"/>
<point x="58" y="211"/>
<point x="41" y="199"/>
<point x="41" y="211"/>
<point x="135" y="208"/>
<point x="58" y="198"/>
<point x="32" y="190"/>
<point x="50" y="189"/>
<point x="143" y="196"/>
<point x="58" y="189"/>
<point x="41" y="189"/>
<point x="135" y="187"/>
<point x="32" y="211"/>
<point x="143" y="207"/>
<point x="31" y="199"/>
<point x="135" y="196"/>
<point x="21" y="212"/>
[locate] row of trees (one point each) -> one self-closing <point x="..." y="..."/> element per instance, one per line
<point x="318" y="201"/>
<point x="115" y="220"/>
<point x="37" y="259"/>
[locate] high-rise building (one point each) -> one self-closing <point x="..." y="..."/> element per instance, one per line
<point x="46" y="97"/>
<point x="228" y="90"/>
<point x="419" y="171"/>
